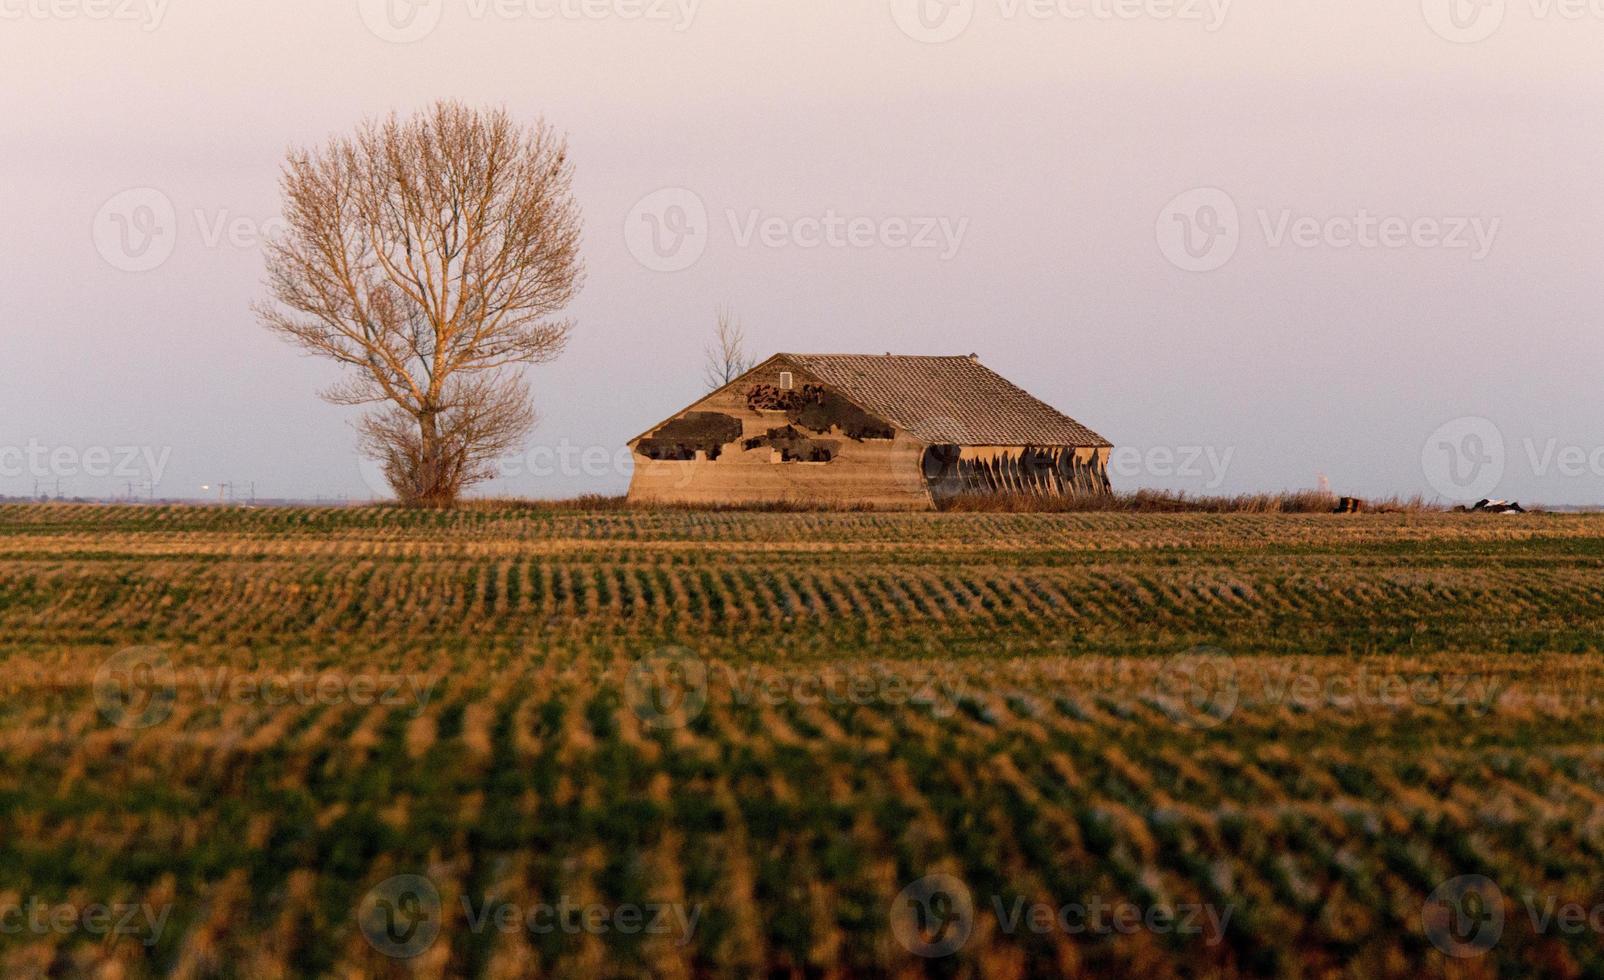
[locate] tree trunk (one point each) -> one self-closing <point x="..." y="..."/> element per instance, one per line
<point x="432" y="479"/>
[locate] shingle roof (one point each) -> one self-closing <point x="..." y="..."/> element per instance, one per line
<point x="950" y="400"/>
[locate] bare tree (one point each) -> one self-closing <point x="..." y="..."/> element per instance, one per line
<point x="428" y="255"/>
<point x="726" y="355"/>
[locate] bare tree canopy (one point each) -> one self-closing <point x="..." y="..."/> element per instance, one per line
<point x="429" y="255"/>
<point x="726" y="355"/>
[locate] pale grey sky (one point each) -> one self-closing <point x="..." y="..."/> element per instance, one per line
<point x="1271" y="240"/>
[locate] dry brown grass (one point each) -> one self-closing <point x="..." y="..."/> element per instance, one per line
<point x="1136" y="502"/>
<point x="598" y="502"/>
<point x="1166" y="502"/>
<point x="589" y="502"/>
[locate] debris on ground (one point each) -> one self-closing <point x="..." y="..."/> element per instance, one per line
<point x="1485" y="506"/>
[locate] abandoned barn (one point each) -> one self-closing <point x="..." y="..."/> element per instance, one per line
<point x="888" y="432"/>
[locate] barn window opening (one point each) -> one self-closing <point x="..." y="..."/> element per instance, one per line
<point x="786" y="381"/>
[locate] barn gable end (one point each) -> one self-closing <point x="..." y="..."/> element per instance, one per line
<point x="807" y="443"/>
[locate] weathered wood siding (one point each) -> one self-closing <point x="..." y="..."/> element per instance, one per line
<point x="1029" y="471"/>
<point x="884" y="474"/>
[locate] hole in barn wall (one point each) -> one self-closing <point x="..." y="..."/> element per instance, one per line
<point x="793" y="446"/>
<point x="695" y="432"/>
<point x="819" y="410"/>
<point x="941" y="462"/>
<point x="822" y="410"/>
<point x="768" y="398"/>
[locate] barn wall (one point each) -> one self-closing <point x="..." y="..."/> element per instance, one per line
<point x="880" y="473"/>
<point x="1050" y="472"/>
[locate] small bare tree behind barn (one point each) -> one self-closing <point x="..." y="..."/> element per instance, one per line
<point x="429" y="255"/>
<point x="726" y="355"/>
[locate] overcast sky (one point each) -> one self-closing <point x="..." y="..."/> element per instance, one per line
<point x="1248" y="242"/>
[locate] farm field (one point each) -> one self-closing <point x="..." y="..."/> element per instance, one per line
<point x="524" y="742"/>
